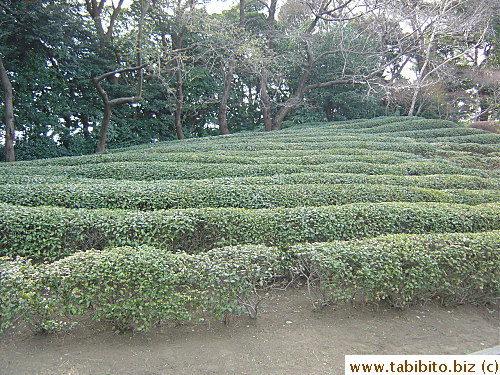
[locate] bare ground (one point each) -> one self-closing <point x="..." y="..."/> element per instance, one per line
<point x="287" y="338"/>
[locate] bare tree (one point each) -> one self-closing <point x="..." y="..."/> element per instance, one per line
<point x="270" y="35"/>
<point x="229" y="48"/>
<point x="173" y="19"/>
<point x="314" y="15"/>
<point x="438" y="34"/>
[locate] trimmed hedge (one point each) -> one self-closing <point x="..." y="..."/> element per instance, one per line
<point x="439" y="181"/>
<point x="371" y="123"/>
<point x="452" y="267"/>
<point x="134" y="288"/>
<point x="484" y="138"/>
<point x="476" y="148"/>
<point x="396" y="129"/>
<point x="278" y="141"/>
<point x="161" y="171"/>
<point x="295" y="157"/>
<point x="139" y="268"/>
<point x="161" y="195"/>
<point x="438" y="133"/>
<point x="475" y="161"/>
<point x="47" y="233"/>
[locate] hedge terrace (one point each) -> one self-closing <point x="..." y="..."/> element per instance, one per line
<point x="393" y="208"/>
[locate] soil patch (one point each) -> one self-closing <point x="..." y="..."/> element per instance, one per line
<point x="287" y="338"/>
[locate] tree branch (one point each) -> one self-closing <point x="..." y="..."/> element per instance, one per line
<point x="102" y="93"/>
<point x="331" y="83"/>
<point x="100" y="90"/>
<point x="117" y="71"/>
<point x="114" y="15"/>
<point x="118" y="101"/>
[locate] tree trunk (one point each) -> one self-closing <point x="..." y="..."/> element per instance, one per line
<point x="329" y="110"/>
<point x="177" y="38"/>
<point x="242" y="13"/>
<point x="299" y="93"/>
<point x="109" y="104"/>
<point x="179" y="103"/>
<point x="144" y="8"/>
<point x="414" y="98"/>
<point x="8" y="114"/>
<point x="265" y="100"/>
<point x="283" y="112"/>
<point x="101" y="142"/>
<point x="484" y="114"/>
<point x="264" y="71"/>
<point x="228" y="78"/>
<point x="85" y="126"/>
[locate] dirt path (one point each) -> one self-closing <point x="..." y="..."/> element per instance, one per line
<point x="287" y="338"/>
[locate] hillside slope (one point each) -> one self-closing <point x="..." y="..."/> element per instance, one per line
<point x="300" y="177"/>
<point x="267" y="195"/>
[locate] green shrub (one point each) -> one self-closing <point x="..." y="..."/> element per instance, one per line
<point x="273" y="189"/>
<point x="48" y="233"/>
<point x="476" y="148"/>
<point x="439" y="181"/>
<point x="442" y="181"/>
<point x="476" y="161"/>
<point x="134" y="288"/>
<point x="164" y="195"/>
<point x="400" y="128"/>
<point x="438" y="133"/>
<point x="452" y="267"/>
<point x="23" y="296"/>
<point x="294" y="157"/>
<point x="167" y="171"/>
<point x="483" y="137"/>
<point x="371" y="123"/>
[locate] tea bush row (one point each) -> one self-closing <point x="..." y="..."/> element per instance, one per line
<point x="439" y="133"/>
<point x="485" y="138"/>
<point x="49" y="233"/>
<point x="162" y="171"/>
<point x="234" y="156"/>
<point x="133" y="288"/>
<point x="440" y="181"/>
<point x="395" y="128"/>
<point x="371" y="123"/>
<point x="278" y="143"/>
<point x="476" y="148"/>
<point x="402" y="269"/>
<point x="195" y="194"/>
<point x="484" y="162"/>
<point x="202" y="158"/>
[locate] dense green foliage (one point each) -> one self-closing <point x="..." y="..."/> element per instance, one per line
<point x="47" y="233"/>
<point x="139" y="235"/>
<point x="251" y="64"/>
<point x="164" y="195"/>
<point x="133" y="287"/>
<point x="453" y="267"/>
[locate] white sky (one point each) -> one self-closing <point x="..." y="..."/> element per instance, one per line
<point x="217" y="6"/>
